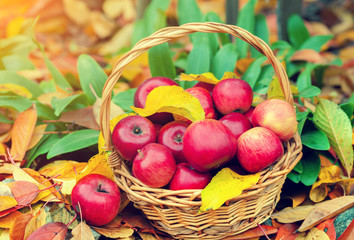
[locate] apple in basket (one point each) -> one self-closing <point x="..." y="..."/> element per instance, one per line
<point x="144" y="89"/>
<point x="154" y="165"/>
<point x="232" y="95"/>
<point x="132" y="133"/>
<point x="258" y="148"/>
<point x="208" y="144"/>
<point x="171" y="136"/>
<point x="96" y="198"/>
<point x="236" y="122"/>
<point x="186" y="177"/>
<point x="278" y="116"/>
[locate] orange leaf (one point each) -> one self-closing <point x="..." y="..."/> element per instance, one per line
<point x="255" y="232"/>
<point x="22" y="132"/>
<point x="7" y="202"/>
<point x="287" y="231"/>
<point x="8" y="220"/>
<point x="24" y="192"/>
<point x="17" y="230"/>
<point x="38" y="133"/>
<point x="53" y="231"/>
<point x="331" y="231"/>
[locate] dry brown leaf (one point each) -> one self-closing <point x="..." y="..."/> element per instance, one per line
<point x="17" y="230"/>
<point x="119" y="40"/>
<point x="37" y="135"/>
<point x="83" y="117"/>
<point x="117" y="232"/>
<point x="73" y="7"/>
<point x="5" y="190"/>
<point x="8" y="220"/>
<point x="35" y="222"/>
<point x="147" y="236"/>
<point x="22" y="132"/>
<point x="82" y="232"/>
<point x="102" y="26"/>
<point x="326" y="210"/>
<point x="115" y="110"/>
<point x="291" y="215"/>
<point x="124" y="8"/>
<point x="7" y="168"/>
<point x="308" y="55"/>
<point x="313" y="234"/>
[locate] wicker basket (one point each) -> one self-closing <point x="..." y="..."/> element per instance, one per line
<point x="175" y="212"/>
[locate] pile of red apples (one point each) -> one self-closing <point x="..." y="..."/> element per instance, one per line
<point x="168" y="150"/>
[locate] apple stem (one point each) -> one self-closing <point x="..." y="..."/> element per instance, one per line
<point x="141" y="154"/>
<point x="72" y="220"/>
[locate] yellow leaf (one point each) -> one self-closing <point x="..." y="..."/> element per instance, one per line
<point x="229" y="75"/>
<point x="97" y="164"/>
<point x="115" y="110"/>
<point x="5" y="234"/>
<point x="172" y="99"/>
<point x="135" y="67"/>
<point x="112" y="124"/>
<point x="37" y="135"/>
<point x="205" y="77"/>
<point x="225" y="185"/>
<point x="46" y="98"/>
<point x="14" y="27"/>
<point x="275" y="91"/>
<point x="82" y="232"/>
<point x="7" y="220"/>
<point x="18" y="89"/>
<point x="22" y="132"/>
<point x="35" y="222"/>
<point x="7" y="202"/>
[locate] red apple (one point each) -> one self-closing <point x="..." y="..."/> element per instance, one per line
<point x="132" y="133"/>
<point x="278" y="116"/>
<point x="207" y="86"/>
<point x="258" y="148"/>
<point x="144" y="89"/>
<point x="207" y="144"/>
<point x="154" y="165"/>
<point x="236" y="122"/>
<point x="186" y="177"/>
<point x="249" y="113"/>
<point x="232" y="95"/>
<point x="171" y="136"/>
<point x="96" y="198"/>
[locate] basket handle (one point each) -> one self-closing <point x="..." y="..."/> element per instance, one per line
<point x="169" y="33"/>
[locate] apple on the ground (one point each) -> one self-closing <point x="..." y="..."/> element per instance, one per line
<point x="96" y="198"/>
<point x="186" y="177"/>
<point x="154" y="165"/>
<point x="232" y="95"/>
<point x="208" y="144"/>
<point x="236" y="122"/>
<point x="144" y="89"/>
<point x="278" y="116"/>
<point x="171" y="136"/>
<point x="132" y="133"/>
<point x="258" y="148"/>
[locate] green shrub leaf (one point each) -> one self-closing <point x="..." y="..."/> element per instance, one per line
<point x="316" y="42"/>
<point x="311" y="165"/>
<point x="125" y="99"/>
<point x="334" y="122"/>
<point x="261" y="31"/>
<point x="160" y="61"/>
<point x="74" y="141"/>
<point x="253" y="71"/>
<point x="310" y="91"/>
<point x="297" y="31"/>
<point x="314" y="138"/>
<point x="224" y="60"/>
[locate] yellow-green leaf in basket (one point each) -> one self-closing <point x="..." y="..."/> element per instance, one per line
<point x="275" y="91"/>
<point x="112" y="124"/>
<point x="228" y="75"/>
<point x="225" y="185"/>
<point x="206" y="77"/>
<point x="172" y="99"/>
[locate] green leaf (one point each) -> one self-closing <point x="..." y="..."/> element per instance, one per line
<point x="348" y="108"/>
<point x="301" y="115"/>
<point x="188" y="11"/>
<point x="48" y="86"/>
<point x="253" y="71"/>
<point x="311" y="165"/>
<point x="304" y="79"/>
<point x="4" y="119"/>
<point x="17" y="63"/>
<point x="199" y="59"/>
<point x="301" y="125"/>
<point x="314" y="138"/>
<point x="297" y="31"/>
<point x="295" y="174"/>
<point x="245" y="20"/>
<point x="310" y="91"/>
<point x="316" y="42"/>
<point x="213" y="17"/>
<point x="92" y="77"/>
<point x="45" y="112"/>
<point x="42" y="147"/>
<point x="61" y="104"/>
<point x="261" y="31"/>
<point x="16" y="102"/>
<point x="224" y="60"/>
<point x="333" y="121"/>
<point x="280" y="45"/>
<point x="12" y="77"/>
<point x="125" y="99"/>
<point x="74" y="141"/>
<point x="160" y="61"/>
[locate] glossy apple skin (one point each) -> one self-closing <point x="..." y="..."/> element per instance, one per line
<point x="154" y="165"/>
<point x="236" y="122"/>
<point x="171" y="136"/>
<point x="186" y="177"/>
<point x="258" y="148"/>
<point x="278" y="116"/>
<point x="132" y="133"/>
<point x="249" y="113"/>
<point x="207" y="86"/>
<point x="232" y="95"/>
<point x="99" y="199"/>
<point x="145" y="88"/>
<point x="208" y="144"/>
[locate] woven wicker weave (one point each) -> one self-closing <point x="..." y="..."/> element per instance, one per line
<point x="175" y="212"/>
